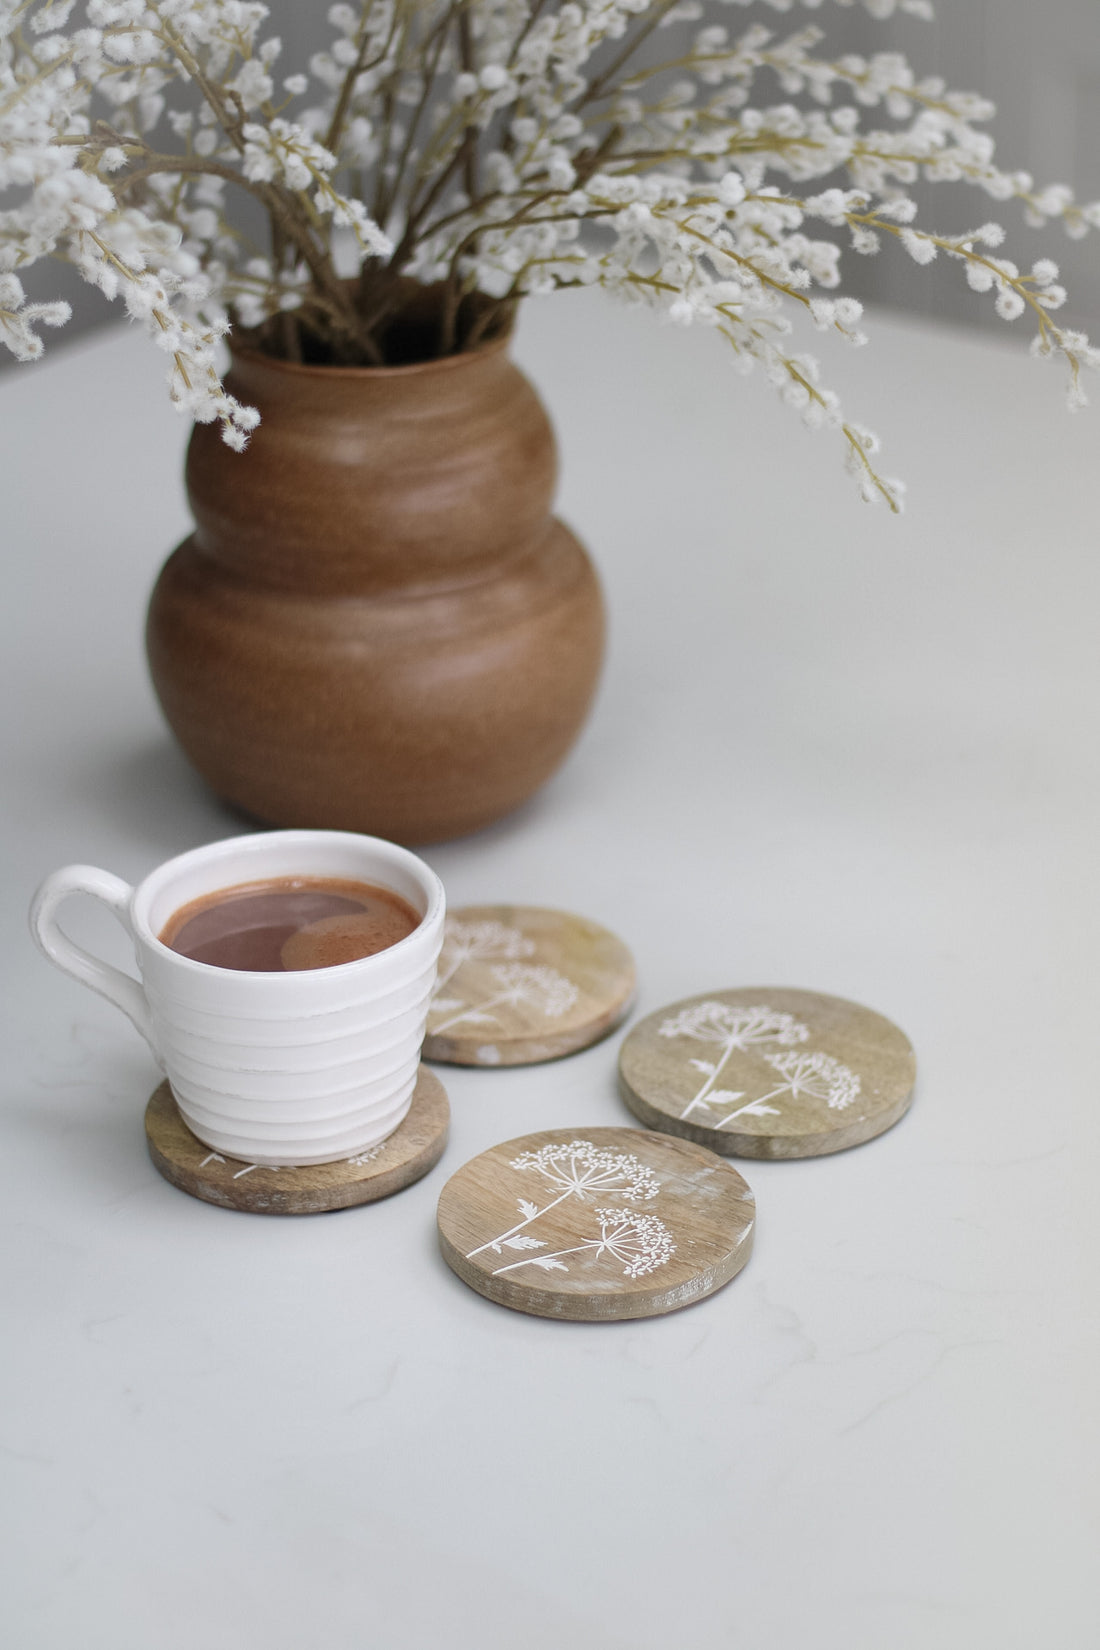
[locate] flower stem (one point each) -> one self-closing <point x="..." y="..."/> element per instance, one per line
<point x="519" y="1228"/>
<point x="711" y="1080"/>
<point x="478" y="1008"/>
<point x="532" y="1260"/>
<point x="749" y="1104"/>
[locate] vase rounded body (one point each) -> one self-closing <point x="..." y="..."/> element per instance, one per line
<point x="377" y="624"/>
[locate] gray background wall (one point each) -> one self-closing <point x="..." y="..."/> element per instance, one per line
<point x="1038" y="59"/>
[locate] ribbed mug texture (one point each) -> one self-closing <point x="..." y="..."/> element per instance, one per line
<point x="286" y="1068"/>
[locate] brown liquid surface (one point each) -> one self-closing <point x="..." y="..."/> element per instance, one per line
<point x="289" y="923"/>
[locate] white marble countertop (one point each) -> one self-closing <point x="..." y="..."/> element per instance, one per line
<point x="831" y="750"/>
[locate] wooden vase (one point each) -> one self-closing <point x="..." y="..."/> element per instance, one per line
<point x="377" y="625"/>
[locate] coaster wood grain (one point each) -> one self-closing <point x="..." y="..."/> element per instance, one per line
<point x="519" y="984"/>
<point x="596" y="1224"/>
<point x="413" y="1148"/>
<point x="768" y="1072"/>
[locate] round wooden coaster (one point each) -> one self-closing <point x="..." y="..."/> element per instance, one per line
<point x="518" y="984"/>
<point x="768" y="1072"/>
<point x="596" y="1224"/>
<point x="413" y="1148"/>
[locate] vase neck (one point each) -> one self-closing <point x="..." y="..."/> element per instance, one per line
<point x="360" y="480"/>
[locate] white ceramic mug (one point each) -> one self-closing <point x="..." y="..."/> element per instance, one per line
<point x="282" y="1068"/>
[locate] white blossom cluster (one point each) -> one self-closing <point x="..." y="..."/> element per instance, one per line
<point x="640" y="1242"/>
<point x="582" y="1169"/>
<point x="819" y="1075"/>
<point x="504" y="147"/>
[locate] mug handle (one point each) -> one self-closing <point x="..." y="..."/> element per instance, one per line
<point x="118" y="988"/>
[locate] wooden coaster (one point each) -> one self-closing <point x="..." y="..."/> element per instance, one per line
<point x="768" y="1072"/>
<point x="596" y="1224"/>
<point x="518" y="984"/>
<point x="413" y="1148"/>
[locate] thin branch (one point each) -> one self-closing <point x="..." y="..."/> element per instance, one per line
<point x="339" y="114"/>
<point x="602" y="85"/>
<point x="282" y="214"/>
<point x="434" y="43"/>
<point x="469" y="141"/>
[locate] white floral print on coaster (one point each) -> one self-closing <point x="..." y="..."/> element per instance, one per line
<point x="596" y="1224"/>
<point x="768" y="1072"/>
<point x="518" y="984"/>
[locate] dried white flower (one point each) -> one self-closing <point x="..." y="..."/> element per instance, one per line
<point x="17" y="319"/>
<point x="498" y="146"/>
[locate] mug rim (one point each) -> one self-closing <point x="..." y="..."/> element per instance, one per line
<point x="150" y="885"/>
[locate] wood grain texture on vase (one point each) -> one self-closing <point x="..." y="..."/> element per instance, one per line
<point x="768" y="1072"/>
<point x="377" y="624"/>
<point x="405" y="1156"/>
<point x="596" y="1224"/>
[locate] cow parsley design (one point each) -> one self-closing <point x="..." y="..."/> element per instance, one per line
<point x="577" y="1169"/>
<point x="818" y="1076"/>
<point x="465" y="942"/>
<point x="640" y="1242"/>
<point x="539" y="987"/>
<point x="735" y="1028"/>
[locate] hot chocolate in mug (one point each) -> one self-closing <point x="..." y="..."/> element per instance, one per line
<point x="288" y="1068"/>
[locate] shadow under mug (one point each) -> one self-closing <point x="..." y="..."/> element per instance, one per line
<point x="288" y="1068"/>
